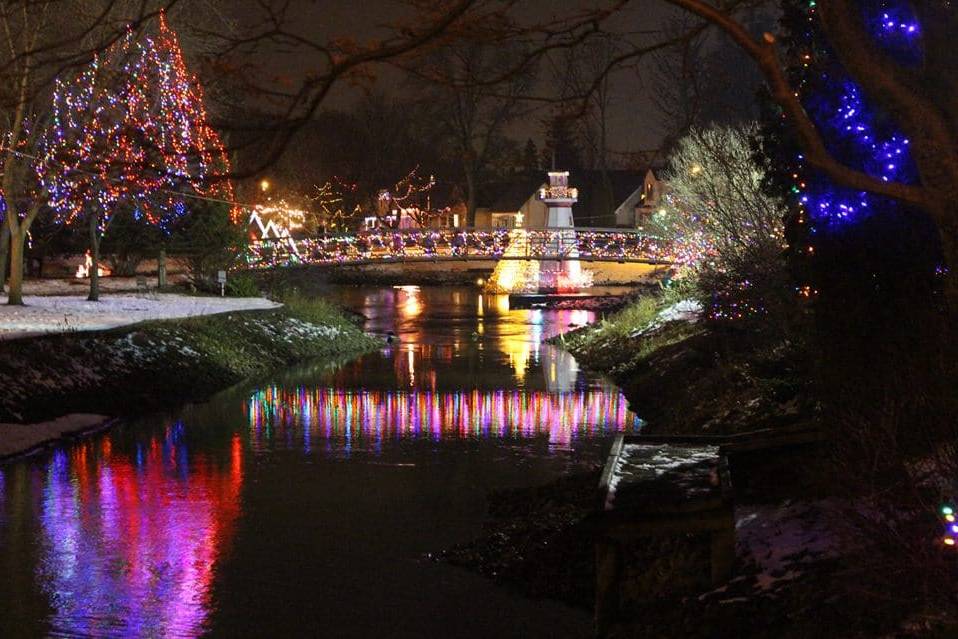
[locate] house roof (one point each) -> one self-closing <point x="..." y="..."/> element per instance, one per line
<point x="599" y="193"/>
<point x="509" y="196"/>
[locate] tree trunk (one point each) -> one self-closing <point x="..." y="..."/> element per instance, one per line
<point x="95" y="255"/>
<point x="948" y="232"/>
<point x="470" y="199"/>
<point x="4" y="254"/>
<point x="161" y="270"/>
<point x="17" y="241"/>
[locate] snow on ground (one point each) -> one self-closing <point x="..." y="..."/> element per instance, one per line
<point x="778" y="540"/>
<point x="68" y="313"/>
<point x="15" y="438"/>
<point x="684" y="311"/>
<point x="77" y="286"/>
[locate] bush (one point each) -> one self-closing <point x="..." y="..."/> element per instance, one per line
<point x="754" y="289"/>
<point x="720" y="212"/>
<point x="242" y="285"/>
<point x="210" y="242"/>
<point x="129" y="241"/>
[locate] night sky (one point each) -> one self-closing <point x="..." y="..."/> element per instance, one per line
<point x="633" y="123"/>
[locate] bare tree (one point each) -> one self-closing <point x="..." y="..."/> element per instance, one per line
<point x="677" y="79"/>
<point x="472" y="115"/>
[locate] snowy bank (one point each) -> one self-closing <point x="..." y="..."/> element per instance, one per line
<point x="158" y="364"/>
<point x="17" y="438"/>
<point x="684" y="311"/>
<point x="68" y="313"/>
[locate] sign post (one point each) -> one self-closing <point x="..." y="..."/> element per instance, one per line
<point x="221" y="278"/>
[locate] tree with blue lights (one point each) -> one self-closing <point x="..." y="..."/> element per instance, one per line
<point x="877" y="125"/>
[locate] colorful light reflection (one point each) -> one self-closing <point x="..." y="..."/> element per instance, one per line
<point x="334" y="414"/>
<point x="130" y="541"/>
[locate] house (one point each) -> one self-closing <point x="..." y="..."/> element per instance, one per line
<point x="513" y="204"/>
<point x="640" y="205"/>
<point x="603" y="193"/>
<point x="605" y="199"/>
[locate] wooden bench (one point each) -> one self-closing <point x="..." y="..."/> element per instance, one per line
<point x="653" y="489"/>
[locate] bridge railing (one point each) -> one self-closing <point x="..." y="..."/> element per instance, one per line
<point x="590" y="244"/>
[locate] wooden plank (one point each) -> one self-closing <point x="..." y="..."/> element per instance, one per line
<point x="607" y="471"/>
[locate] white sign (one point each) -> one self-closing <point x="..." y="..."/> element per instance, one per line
<point x="221" y="277"/>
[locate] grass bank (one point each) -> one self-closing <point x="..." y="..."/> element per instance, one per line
<point x="683" y="377"/>
<point x="157" y="364"/>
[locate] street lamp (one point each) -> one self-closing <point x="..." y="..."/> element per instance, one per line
<point x="264" y="185"/>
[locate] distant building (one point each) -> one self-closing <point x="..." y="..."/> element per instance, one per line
<point x="606" y="198"/>
<point x="514" y="204"/>
<point x="640" y="205"/>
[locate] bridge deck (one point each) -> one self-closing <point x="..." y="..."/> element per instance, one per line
<point x="443" y="245"/>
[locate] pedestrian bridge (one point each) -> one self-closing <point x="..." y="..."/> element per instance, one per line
<point x="436" y="245"/>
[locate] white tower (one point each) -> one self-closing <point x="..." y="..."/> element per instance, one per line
<point x="560" y="276"/>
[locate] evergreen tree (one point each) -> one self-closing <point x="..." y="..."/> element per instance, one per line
<point x="870" y="267"/>
<point x="530" y="157"/>
<point x="561" y="149"/>
<point x="840" y="237"/>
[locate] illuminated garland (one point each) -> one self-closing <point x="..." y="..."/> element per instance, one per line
<point x="392" y="244"/>
<point x="131" y="129"/>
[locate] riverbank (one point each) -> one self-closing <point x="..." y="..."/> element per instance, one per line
<point x="686" y="379"/>
<point x="806" y="561"/>
<point x="155" y="364"/>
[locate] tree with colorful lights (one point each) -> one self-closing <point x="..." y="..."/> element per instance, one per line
<point x="336" y="204"/>
<point x="40" y="39"/>
<point x="130" y="130"/>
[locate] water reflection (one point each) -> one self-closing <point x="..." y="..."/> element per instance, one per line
<point x="170" y="527"/>
<point x="129" y="540"/>
<point x="309" y="414"/>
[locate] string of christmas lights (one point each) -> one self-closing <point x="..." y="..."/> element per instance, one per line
<point x="950" y="537"/>
<point x="855" y="133"/>
<point x="393" y="244"/>
<point x="131" y="129"/>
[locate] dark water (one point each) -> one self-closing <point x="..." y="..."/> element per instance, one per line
<point x="304" y="505"/>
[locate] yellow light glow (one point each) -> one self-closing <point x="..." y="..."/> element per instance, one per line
<point x="511" y="275"/>
<point x="264" y="185"/>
